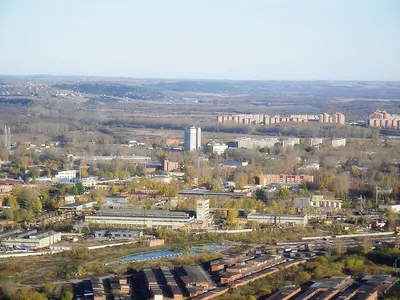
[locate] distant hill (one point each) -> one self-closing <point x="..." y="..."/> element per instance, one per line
<point x="114" y="89"/>
<point x="16" y="101"/>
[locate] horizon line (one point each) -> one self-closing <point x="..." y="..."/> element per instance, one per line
<point x="195" y="78"/>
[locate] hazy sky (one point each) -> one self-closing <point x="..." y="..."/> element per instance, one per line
<point x="233" y="39"/>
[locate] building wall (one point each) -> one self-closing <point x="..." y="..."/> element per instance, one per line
<point x="70" y="174"/>
<point x="192" y="138"/>
<point x="203" y="210"/>
<point x="121" y="234"/>
<point x="283" y="178"/>
<point x="278" y="218"/>
<point x="6" y="188"/>
<point x="34" y="242"/>
<point x="170" y="165"/>
<point x="140" y="221"/>
<point x="339" y="143"/>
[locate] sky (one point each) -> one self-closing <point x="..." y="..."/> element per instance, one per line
<point x="204" y="39"/>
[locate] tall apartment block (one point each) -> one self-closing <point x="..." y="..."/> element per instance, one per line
<point x="336" y="118"/>
<point x="382" y="119"/>
<point x="192" y="139"/>
<point x="249" y="119"/>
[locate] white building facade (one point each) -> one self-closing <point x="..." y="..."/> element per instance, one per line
<point x="70" y="174"/>
<point x="192" y="138"/>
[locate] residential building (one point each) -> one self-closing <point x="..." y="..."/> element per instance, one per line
<point x="143" y="218"/>
<point x="382" y="119"/>
<point x="338" y="118"/>
<point x="69" y="174"/>
<point x="192" y="139"/>
<point x="338" y="143"/>
<point x="283" y="178"/>
<point x="169" y="166"/>
<point x="278" y="219"/>
<point x="118" y="234"/>
<point x="324" y="118"/>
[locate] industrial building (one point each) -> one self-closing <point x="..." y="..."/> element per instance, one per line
<point x="195" y="276"/>
<point x="115" y="201"/>
<point x="318" y="202"/>
<point x="192" y="139"/>
<point x="370" y="287"/>
<point x="77" y="206"/>
<point x="118" y="234"/>
<point x="153" y="218"/>
<point x="31" y="239"/>
<point x="249" y="143"/>
<point x="142" y="218"/>
<point x="278" y="219"/>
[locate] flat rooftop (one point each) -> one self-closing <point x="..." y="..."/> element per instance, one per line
<point x="145" y="213"/>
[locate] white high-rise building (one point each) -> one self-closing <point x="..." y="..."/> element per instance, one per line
<point x="192" y="140"/>
<point x="203" y="210"/>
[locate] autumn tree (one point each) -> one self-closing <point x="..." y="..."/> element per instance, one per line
<point x="240" y="180"/>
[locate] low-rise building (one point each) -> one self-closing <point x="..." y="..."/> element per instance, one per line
<point x="266" y="179"/>
<point x="218" y="148"/>
<point x="249" y="143"/>
<point x="234" y="164"/>
<point x="316" y="142"/>
<point x="338" y="143"/>
<point x="317" y="202"/>
<point x="169" y="166"/>
<point x="115" y="201"/>
<point x="143" y="218"/>
<point x="276" y="219"/>
<point x="69" y="199"/>
<point x="291" y="142"/>
<point x="69" y="174"/>
<point x="89" y="182"/>
<point x="77" y="206"/>
<point x="153" y="242"/>
<point x="393" y="207"/>
<point x="32" y="239"/>
<point x="118" y="234"/>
